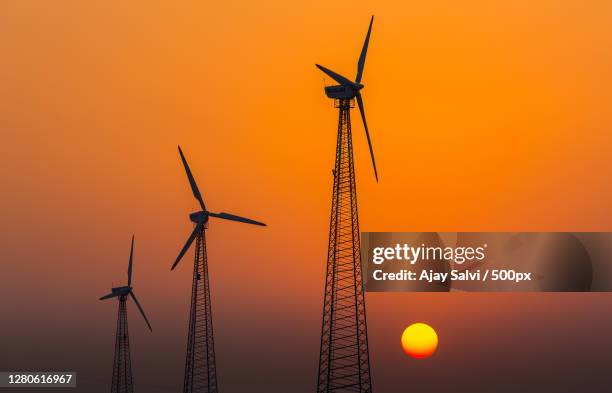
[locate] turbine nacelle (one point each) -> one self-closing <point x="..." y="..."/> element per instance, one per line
<point x="343" y="92"/>
<point x="121" y="290"/>
<point x="200" y="217"/>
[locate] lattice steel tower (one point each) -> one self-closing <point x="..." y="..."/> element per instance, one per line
<point x="200" y="365"/>
<point x="344" y="364"/>
<point x="122" y="365"/>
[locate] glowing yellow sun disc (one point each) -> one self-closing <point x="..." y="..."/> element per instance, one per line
<point x="419" y="340"/>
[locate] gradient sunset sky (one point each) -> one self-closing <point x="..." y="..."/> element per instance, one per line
<point x="484" y="116"/>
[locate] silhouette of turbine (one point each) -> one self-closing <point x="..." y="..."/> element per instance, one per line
<point x="344" y="364"/>
<point x="200" y="366"/>
<point x="122" y="366"/>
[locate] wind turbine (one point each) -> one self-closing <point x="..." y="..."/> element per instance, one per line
<point x="200" y="365"/>
<point x="347" y="90"/>
<point x="344" y="363"/>
<point x="122" y="366"/>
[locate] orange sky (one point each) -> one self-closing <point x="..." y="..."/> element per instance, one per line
<point x="483" y="115"/>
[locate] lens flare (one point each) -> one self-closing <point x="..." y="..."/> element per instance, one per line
<point x="419" y="340"/>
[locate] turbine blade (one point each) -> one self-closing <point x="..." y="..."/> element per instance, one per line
<point x="130" y="263"/>
<point x="141" y="310"/>
<point x="192" y="182"/>
<point x="110" y="295"/>
<point x="337" y="77"/>
<point x="193" y="235"/>
<point x="365" y="125"/>
<point x="364" y="51"/>
<point x="232" y="217"/>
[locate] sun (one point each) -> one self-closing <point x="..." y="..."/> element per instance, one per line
<point x="419" y="340"/>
